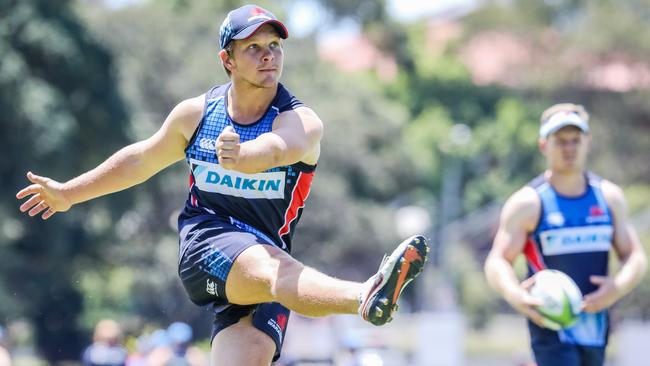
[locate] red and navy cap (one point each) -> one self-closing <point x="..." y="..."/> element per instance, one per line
<point x="243" y="22"/>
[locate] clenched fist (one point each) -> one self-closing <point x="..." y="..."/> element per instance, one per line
<point x="227" y="147"/>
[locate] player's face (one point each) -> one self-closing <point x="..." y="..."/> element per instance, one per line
<point x="566" y="150"/>
<point x="258" y="60"/>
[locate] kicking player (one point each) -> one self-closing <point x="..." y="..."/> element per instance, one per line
<point x="252" y="149"/>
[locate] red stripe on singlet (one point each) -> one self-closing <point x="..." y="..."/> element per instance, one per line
<point x="193" y="199"/>
<point x="298" y="197"/>
<point x="533" y="255"/>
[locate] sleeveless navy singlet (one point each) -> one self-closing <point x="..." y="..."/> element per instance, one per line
<point x="574" y="235"/>
<point x="269" y="203"/>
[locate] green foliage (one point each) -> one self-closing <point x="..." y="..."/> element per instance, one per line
<point x="107" y="293"/>
<point x="367" y="12"/>
<point x="424" y="135"/>
<point x="363" y="168"/>
<point x="61" y="113"/>
<point x="474" y="295"/>
<point x="638" y="198"/>
<point x="163" y="59"/>
<point x="614" y="27"/>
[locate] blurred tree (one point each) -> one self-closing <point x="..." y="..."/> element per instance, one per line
<point x="163" y="59"/>
<point x="364" y="12"/>
<point x="364" y="169"/>
<point x="61" y="114"/>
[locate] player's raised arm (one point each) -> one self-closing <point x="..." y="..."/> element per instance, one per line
<point x="295" y="137"/>
<point x="129" y="166"/>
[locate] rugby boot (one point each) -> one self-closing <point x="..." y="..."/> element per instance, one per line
<point x="378" y="301"/>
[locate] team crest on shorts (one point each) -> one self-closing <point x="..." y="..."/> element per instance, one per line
<point x="211" y="287"/>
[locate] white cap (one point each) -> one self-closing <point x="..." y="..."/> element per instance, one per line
<point x="563" y="119"/>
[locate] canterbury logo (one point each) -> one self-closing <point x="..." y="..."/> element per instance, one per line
<point x="207" y="144"/>
<point x="211" y="287"/>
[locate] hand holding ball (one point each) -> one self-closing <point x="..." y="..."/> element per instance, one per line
<point x="561" y="298"/>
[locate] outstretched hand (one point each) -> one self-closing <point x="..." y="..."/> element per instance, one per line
<point x="46" y="195"/>
<point x="604" y="297"/>
<point x="227" y="146"/>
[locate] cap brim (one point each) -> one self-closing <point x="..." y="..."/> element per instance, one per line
<point x="250" y="30"/>
<point x="555" y="124"/>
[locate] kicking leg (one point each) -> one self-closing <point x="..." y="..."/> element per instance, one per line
<point x="263" y="273"/>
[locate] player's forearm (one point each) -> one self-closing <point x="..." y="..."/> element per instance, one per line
<point x="501" y="277"/>
<point x="122" y="170"/>
<point x="631" y="272"/>
<point x="256" y="157"/>
<point x="266" y="152"/>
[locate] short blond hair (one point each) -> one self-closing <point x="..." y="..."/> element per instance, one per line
<point x="564" y="107"/>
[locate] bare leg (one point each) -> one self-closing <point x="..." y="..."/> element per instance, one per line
<point x="263" y="273"/>
<point x="242" y="344"/>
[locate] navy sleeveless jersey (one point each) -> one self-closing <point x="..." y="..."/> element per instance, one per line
<point x="268" y="204"/>
<point x="574" y="235"/>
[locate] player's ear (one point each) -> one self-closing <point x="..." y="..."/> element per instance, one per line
<point x="226" y="59"/>
<point x="541" y="143"/>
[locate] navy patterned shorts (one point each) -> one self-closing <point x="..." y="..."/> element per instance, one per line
<point x="208" y="249"/>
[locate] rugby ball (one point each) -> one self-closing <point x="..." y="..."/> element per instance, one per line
<point x="561" y="298"/>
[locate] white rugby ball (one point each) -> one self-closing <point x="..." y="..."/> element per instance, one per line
<point x="561" y="298"/>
